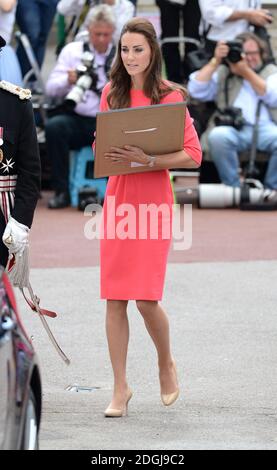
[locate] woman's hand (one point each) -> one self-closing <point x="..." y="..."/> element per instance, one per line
<point x="128" y="153"/>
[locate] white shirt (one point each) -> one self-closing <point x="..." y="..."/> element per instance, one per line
<point x="123" y="11"/>
<point x="6" y="24"/>
<point x="70" y="7"/>
<point x="216" y="14"/>
<point x="247" y="98"/>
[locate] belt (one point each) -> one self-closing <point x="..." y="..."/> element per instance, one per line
<point x="8" y="183"/>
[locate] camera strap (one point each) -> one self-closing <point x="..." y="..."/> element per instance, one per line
<point x="226" y="90"/>
<point x="205" y="29"/>
<point x="251" y="170"/>
<point x="74" y="25"/>
<point x="108" y="60"/>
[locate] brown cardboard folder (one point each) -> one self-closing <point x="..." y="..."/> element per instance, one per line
<point x="157" y="129"/>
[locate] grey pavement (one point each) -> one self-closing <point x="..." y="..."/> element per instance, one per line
<point x="224" y="338"/>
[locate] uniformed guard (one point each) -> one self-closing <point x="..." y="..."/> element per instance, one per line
<point x="19" y="190"/>
<point x="19" y="168"/>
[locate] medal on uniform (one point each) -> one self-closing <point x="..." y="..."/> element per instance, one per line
<point x="1" y="155"/>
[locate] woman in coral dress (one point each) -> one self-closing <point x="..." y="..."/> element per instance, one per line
<point x="133" y="264"/>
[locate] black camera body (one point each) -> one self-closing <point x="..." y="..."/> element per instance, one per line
<point x="88" y="195"/>
<point x="235" y="51"/>
<point x="229" y="116"/>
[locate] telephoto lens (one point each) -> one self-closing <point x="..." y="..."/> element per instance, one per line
<point x="221" y="195"/>
<point x="218" y="196"/>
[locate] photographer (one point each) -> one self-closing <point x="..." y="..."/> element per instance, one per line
<point x="74" y="127"/>
<point x="224" y="20"/>
<point x="239" y="79"/>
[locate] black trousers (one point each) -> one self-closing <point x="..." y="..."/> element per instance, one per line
<point x="63" y="133"/>
<point x="171" y="15"/>
<point x="4" y="253"/>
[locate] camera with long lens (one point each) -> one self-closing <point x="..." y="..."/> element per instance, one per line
<point x="249" y="196"/>
<point x="221" y="195"/>
<point x="229" y="116"/>
<point x="235" y="51"/>
<point x="87" y="80"/>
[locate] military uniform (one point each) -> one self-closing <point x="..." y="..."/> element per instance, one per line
<point x="19" y="159"/>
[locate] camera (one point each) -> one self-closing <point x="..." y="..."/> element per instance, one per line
<point x="250" y="196"/>
<point x="229" y="116"/>
<point x="87" y="80"/>
<point x="221" y="195"/>
<point x="88" y="195"/>
<point x="235" y="51"/>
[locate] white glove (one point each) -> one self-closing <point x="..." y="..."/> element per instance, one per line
<point x="16" y="236"/>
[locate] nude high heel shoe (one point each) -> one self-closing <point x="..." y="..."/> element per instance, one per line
<point x="170" y="398"/>
<point x="118" y="413"/>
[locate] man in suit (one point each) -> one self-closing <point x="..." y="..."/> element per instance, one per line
<point x="19" y="168"/>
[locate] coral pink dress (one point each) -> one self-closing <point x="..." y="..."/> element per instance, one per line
<point x="133" y="258"/>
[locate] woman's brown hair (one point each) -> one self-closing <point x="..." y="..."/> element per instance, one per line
<point x="154" y="87"/>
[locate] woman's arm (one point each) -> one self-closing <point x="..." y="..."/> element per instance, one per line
<point x="175" y="160"/>
<point x="189" y="157"/>
<point x="168" y="161"/>
<point x="7" y="5"/>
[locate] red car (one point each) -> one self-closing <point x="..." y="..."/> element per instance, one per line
<point x="20" y="380"/>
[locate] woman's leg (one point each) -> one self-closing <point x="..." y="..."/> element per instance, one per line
<point x="157" y="324"/>
<point x="117" y="330"/>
